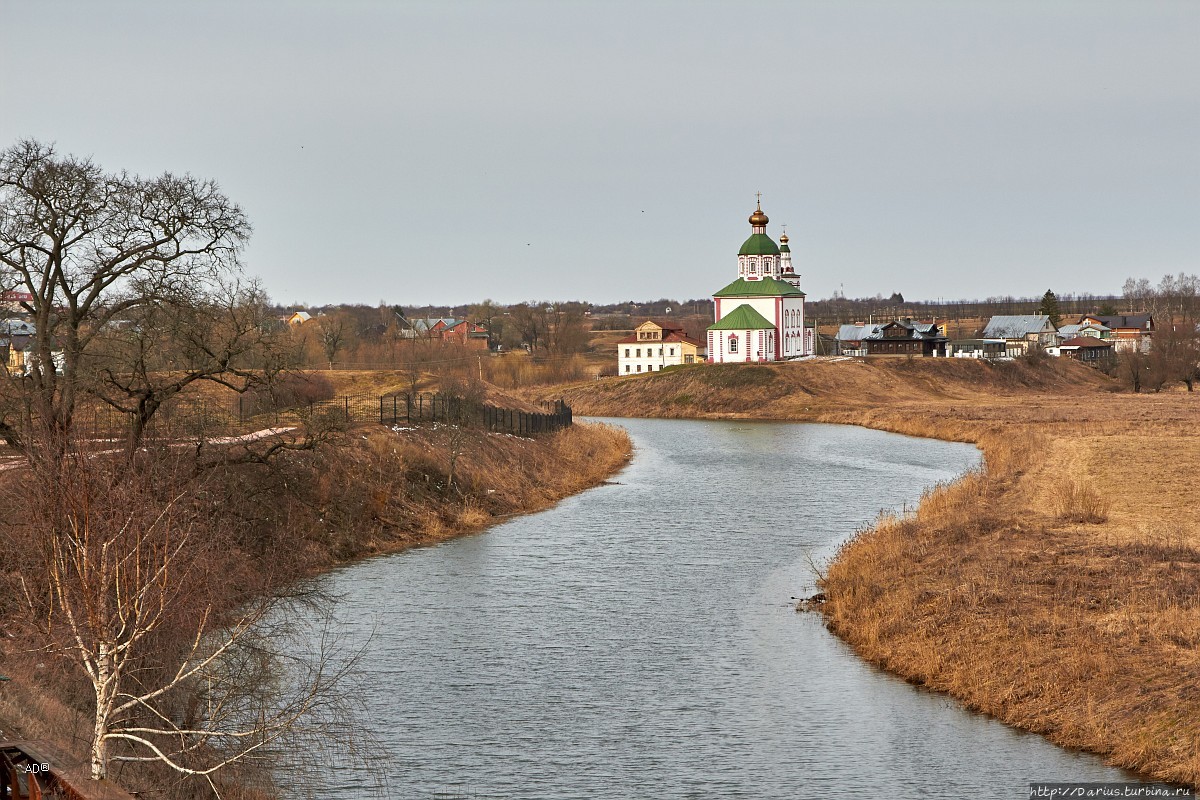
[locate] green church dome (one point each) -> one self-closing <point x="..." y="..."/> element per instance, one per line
<point x="759" y="244"/>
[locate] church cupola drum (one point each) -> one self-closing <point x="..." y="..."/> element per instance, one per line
<point x="760" y="316"/>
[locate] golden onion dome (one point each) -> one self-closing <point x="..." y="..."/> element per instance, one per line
<point x="783" y="239"/>
<point x="758" y="218"/>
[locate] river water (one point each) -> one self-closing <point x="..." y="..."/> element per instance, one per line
<point x="639" y="640"/>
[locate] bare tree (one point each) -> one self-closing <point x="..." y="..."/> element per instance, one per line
<point x="566" y="329"/>
<point x="487" y="314"/>
<point x="126" y="593"/>
<point x="530" y="322"/>
<point x="463" y="399"/>
<point x="1134" y="369"/>
<point x="331" y="335"/>
<point x="92" y="247"/>
<point x="219" y="336"/>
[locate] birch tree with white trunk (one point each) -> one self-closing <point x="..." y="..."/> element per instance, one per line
<point x="122" y="595"/>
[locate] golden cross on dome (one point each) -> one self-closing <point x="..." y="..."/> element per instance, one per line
<point x="758" y="196"/>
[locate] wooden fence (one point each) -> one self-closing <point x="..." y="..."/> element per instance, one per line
<point x="206" y="419"/>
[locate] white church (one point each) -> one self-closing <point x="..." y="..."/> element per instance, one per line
<point x="760" y="316"/>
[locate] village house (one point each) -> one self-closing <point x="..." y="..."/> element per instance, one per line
<point x="906" y="338"/>
<point x="299" y="318"/>
<point x="17" y="342"/>
<point x="760" y="316"/>
<point x="654" y="345"/>
<point x="897" y="338"/>
<point x="1126" y="332"/>
<point x="990" y="349"/>
<point x="1088" y="349"/>
<point x="850" y="338"/>
<point x="1093" y="329"/>
<point x="446" y="329"/>
<point x="1021" y="332"/>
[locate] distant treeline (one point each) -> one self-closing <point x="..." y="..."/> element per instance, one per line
<point x="555" y="327"/>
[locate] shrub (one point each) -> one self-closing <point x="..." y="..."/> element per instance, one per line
<point x="292" y="390"/>
<point x="1077" y="502"/>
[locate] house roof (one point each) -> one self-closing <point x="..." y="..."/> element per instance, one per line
<point x="1016" y="327"/>
<point x="742" y="318"/>
<point x="1069" y="331"/>
<point x="17" y="327"/>
<point x="759" y="244"/>
<point x="766" y="287"/>
<point x="916" y="330"/>
<point x="1085" y="341"/>
<point x="855" y="333"/>
<point x="1140" y="321"/>
<point x="666" y="326"/>
<point x="429" y="323"/>
<point x="669" y="337"/>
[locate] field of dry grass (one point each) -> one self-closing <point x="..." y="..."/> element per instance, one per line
<point x="1058" y="589"/>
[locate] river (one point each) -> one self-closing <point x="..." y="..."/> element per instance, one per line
<point x="639" y="640"/>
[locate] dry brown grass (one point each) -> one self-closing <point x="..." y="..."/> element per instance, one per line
<point x="1058" y="589"/>
<point x="1079" y="502"/>
<point x="383" y="491"/>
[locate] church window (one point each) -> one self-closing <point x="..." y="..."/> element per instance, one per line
<point x="660" y="351"/>
<point x="627" y="352"/>
<point x="627" y="368"/>
<point x="733" y="344"/>
<point x="639" y="352"/>
<point x="671" y="351"/>
<point x="639" y="369"/>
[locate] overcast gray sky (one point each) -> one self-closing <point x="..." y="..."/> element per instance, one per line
<point x="444" y="152"/>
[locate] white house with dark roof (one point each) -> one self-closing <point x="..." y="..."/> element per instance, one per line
<point x="760" y="316"/>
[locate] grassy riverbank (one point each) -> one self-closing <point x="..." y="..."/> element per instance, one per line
<point x="1058" y="589"/>
<point x="366" y="491"/>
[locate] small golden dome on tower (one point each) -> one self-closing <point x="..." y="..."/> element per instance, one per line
<point x="783" y="239"/>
